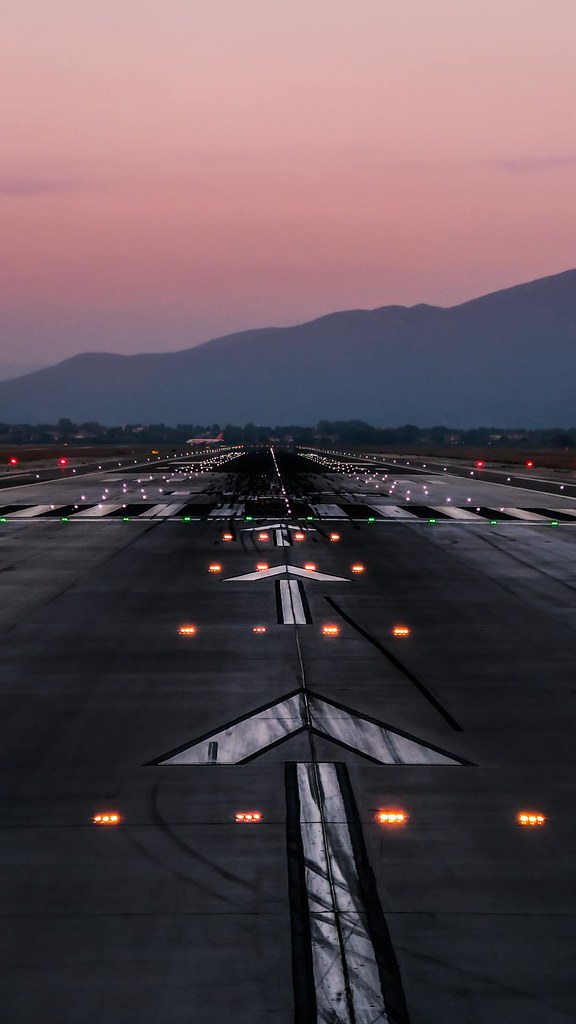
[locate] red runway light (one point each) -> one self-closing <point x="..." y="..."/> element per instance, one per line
<point x="401" y="631"/>
<point x="310" y="566"/>
<point x="258" y="629"/>
<point x="334" y="536"/>
<point x="330" y="630"/>
<point x="248" y="817"/>
<point x="529" y="465"/>
<point x="357" y="567"/>
<point x="227" y="536"/>
<point x="530" y="818"/>
<point x="263" y="536"/>
<point x="391" y="817"/>
<point x="187" y="630"/>
<point x="107" y="818"/>
<point x="299" y="536"/>
<point x="262" y="566"/>
<point x="215" y="567"/>
<point x="479" y="465"/>
<point x="62" y="462"/>
<point x="13" y="461"/>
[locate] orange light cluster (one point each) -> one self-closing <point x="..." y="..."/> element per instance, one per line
<point x="357" y="567"/>
<point x="258" y="629"/>
<point x="529" y="818"/>
<point x="391" y="817"/>
<point x="227" y="536"/>
<point x="187" y="630"/>
<point x="111" y="818"/>
<point x="246" y="817"/>
<point x="262" y="566"/>
<point x="310" y="566"/>
<point x="299" y="536"/>
<point x="331" y="630"/>
<point x="400" y="631"/>
<point x="334" y="536"/>
<point x="215" y="567"/>
<point x="263" y="536"/>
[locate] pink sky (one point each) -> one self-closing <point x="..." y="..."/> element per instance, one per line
<point x="170" y="172"/>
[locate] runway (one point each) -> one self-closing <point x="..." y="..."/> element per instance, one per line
<point x="209" y="648"/>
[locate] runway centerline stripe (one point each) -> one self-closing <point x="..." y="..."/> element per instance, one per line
<point x="397" y="664"/>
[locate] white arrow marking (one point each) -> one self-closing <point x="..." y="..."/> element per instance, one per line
<point x="249" y="736"/>
<point x="286" y="570"/>
<point x="263" y="574"/>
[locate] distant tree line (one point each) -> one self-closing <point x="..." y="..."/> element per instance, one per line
<point x="339" y="432"/>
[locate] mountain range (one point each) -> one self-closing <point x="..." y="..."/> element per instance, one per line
<point x="508" y="359"/>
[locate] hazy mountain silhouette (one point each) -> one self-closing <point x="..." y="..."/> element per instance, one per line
<point x="508" y="358"/>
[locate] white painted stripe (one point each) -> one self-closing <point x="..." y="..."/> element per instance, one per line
<point x="331" y="511"/>
<point x="227" y="512"/>
<point x="95" y="511"/>
<point x="341" y="945"/>
<point x="308" y="574"/>
<point x="568" y="511"/>
<point x="170" y="510"/>
<point x="371" y="739"/>
<point x="246" y="738"/>
<point x="154" y="511"/>
<point x="459" y="513"/>
<point x="391" y="511"/>
<point x="34" y="510"/>
<point x="280" y="539"/>
<point x="529" y="517"/>
<point x="286" y="604"/>
<point x="291" y="600"/>
<point x="265" y="574"/>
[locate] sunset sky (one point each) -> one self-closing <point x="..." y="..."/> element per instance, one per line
<point x="174" y="171"/>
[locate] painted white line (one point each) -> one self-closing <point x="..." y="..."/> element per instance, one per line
<point x="251" y="577"/>
<point x="245" y="738"/>
<point x="529" y="517"/>
<point x="332" y="511"/>
<point x="291" y="602"/>
<point x="286" y="570"/>
<point x="170" y="510"/>
<point x="568" y="511"/>
<point x="95" y="512"/>
<point x="308" y="574"/>
<point x="280" y="539"/>
<point x="256" y="732"/>
<point x="154" y="511"/>
<point x="459" y="513"/>
<point x="227" y="512"/>
<point x="391" y="511"/>
<point x="377" y="742"/>
<point x="35" y="510"/>
<point x="286" y="604"/>
<point x="343" y="955"/>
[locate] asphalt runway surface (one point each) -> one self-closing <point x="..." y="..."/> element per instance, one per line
<point x="288" y="701"/>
